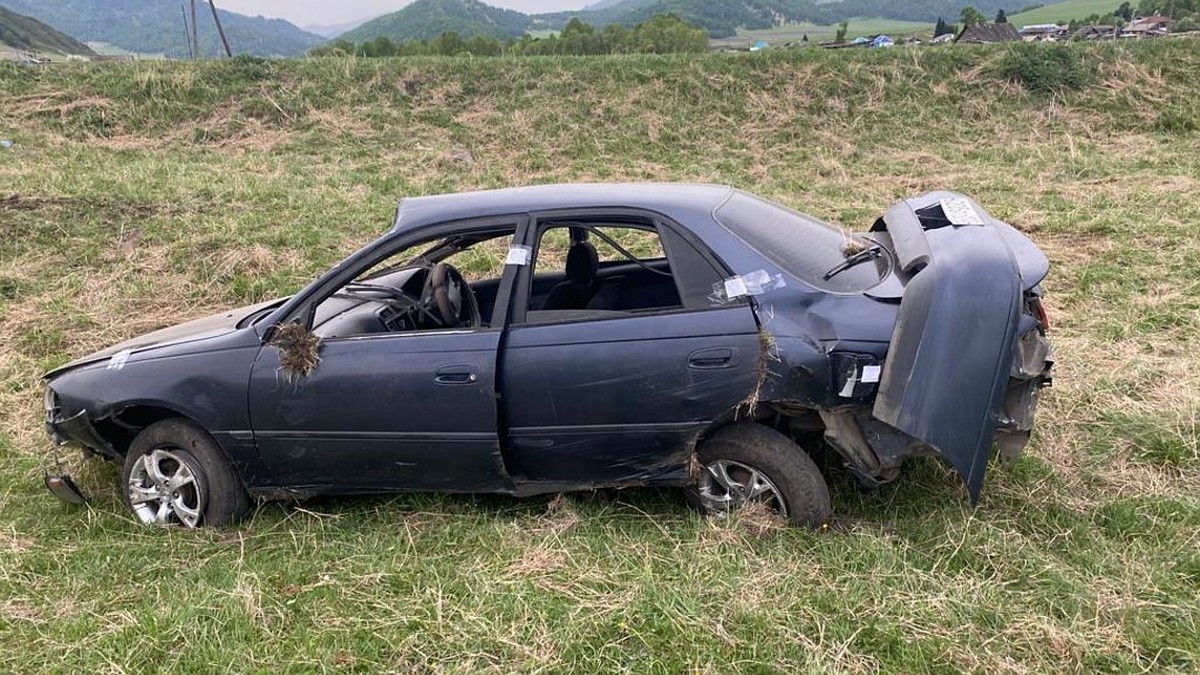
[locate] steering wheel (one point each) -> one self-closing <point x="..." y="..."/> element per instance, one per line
<point x="450" y="293"/>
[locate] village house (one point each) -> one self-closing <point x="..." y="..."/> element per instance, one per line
<point x="987" y="33"/>
<point x="1102" y="32"/>
<point x="1147" y="26"/>
<point x="1044" y="32"/>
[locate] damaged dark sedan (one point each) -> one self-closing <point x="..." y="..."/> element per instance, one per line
<point x="572" y="337"/>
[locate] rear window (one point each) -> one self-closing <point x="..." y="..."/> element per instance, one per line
<point x="803" y="247"/>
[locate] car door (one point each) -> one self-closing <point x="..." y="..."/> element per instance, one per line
<point x="412" y="410"/>
<point x="614" y="397"/>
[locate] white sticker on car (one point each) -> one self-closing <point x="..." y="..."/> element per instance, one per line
<point x="735" y="288"/>
<point x="519" y="255"/>
<point x="870" y="374"/>
<point x="119" y="359"/>
<point x="754" y="283"/>
<point x="960" y="212"/>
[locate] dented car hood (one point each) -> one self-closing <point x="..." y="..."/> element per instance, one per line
<point x="198" y="329"/>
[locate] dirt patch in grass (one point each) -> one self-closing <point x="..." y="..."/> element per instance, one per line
<point x="12" y="543"/>
<point x="537" y="561"/>
<point x="16" y="202"/>
<point x="560" y="515"/>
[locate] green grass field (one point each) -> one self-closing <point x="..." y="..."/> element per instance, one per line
<point x="142" y="195"/>
<point x="794" y="32"/>
<point x="1062" y="12"/>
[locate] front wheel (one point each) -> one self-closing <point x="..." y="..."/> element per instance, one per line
<point x="749" y="462"/>
<point x="174" y="474"/>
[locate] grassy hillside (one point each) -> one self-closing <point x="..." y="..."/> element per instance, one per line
<point x="1062" y="12"/>
<point x="140" y="196"/>
<point x="21" y="32"/>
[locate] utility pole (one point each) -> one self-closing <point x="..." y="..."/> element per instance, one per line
<point x="187" y="33"/>
<point x="195" y="34"/>
<point x="220" y="29"/>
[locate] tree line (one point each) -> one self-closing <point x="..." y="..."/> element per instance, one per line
<point x="661" y="34"/>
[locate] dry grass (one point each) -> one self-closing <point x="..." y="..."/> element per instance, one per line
<point x="299" y="351"/>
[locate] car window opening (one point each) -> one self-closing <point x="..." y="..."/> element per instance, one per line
<point x="586" y="270"/>
<point x="448" y="283"/>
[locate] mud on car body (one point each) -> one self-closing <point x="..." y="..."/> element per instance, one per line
<point x="570" y="337"/>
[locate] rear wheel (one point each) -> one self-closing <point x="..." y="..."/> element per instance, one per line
<point x="174" y="474"/>
<point x="746" y="463"/>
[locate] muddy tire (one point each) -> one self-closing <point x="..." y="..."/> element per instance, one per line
<point x="750" y="462"/>
<point x="175" y="474"/>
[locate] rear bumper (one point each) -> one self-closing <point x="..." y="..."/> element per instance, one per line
<point x="960" y="335"/>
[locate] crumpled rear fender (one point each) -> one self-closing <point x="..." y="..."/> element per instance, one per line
<point x="945" y="375"/>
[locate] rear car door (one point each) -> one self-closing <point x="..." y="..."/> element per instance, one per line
<point x="615" y="392"/>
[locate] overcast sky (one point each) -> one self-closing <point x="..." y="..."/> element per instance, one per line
<point x="325" y="13"/>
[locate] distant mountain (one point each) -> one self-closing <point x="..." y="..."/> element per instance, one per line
<point x="427" y="19"/>
<point x="724" y="17"/>
<point x="156" y="26"/>
<point x="333" y="31"/>
<point x="602" y="4"/>
<point x="25" y="33"/>
<point x="728" y="15"/>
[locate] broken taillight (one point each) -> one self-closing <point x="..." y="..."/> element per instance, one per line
<point x="1041" y="316"/>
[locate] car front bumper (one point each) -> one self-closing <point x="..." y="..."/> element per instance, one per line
<point x="78" y="430"/>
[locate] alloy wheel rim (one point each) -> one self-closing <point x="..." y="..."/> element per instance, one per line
<point x="163" y="490"/>
<point x="726" y="485"/>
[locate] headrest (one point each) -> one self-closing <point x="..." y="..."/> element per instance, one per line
<point x="582" y="263"/>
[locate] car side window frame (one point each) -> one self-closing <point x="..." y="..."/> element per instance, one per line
<point x="304" y="305"/>
<point x="542" y="221"/>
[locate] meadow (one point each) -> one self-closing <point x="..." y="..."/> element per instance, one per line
<point x="140" y="195"/>
<point x="1063" y="12"/>
<point x="794" y="33"/>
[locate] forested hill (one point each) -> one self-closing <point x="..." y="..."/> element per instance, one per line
<point x="427" y="19"/>
<point x="156" y="26"/>
<point x="25" y="33"/>
<point x="723" y="17"/>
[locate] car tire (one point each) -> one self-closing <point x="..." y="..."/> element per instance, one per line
<point x="175" y="474"/>
<point x="751" y="462"/>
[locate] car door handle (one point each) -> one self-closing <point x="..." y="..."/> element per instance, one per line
<point x="705" y="359"/>
<point x="455" y="375"/>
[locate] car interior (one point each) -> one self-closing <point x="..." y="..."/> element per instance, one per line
<point x="583" y="270"/>
<point x="608" y="269"/>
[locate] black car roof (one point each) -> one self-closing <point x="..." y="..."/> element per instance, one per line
<point x="665" y="198"/>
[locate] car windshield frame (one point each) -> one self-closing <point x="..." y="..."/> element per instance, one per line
<point x="800" y="245"/>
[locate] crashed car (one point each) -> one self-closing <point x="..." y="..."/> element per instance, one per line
<point x="572" y="337"/>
